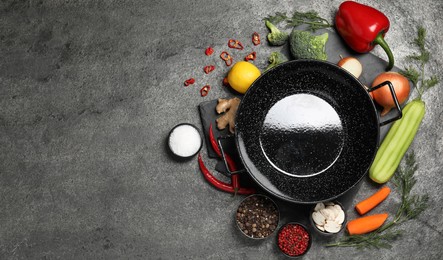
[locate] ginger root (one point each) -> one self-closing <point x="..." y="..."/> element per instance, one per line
<point x="229" y="108"/>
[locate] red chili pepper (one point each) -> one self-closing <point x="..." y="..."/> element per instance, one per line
<point x="209" y="68"/>
<point x="213" y="142"/>
<point x="362" y="27"/>
<point x="204" y="90"/>
<point x="209" y="51"/>
<point x="251" y="56"/>
<point x="214" y="145"/>
<point x="189" y="81"/>
<point x="235" y="44"/>
<point x="211" y="179"/>
<point x="227" y="58"/>
<point x="255" y="38"/>
<point x="235" y="179"/>
<point x="220" y="184"/>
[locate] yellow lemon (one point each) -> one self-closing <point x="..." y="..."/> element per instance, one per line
<point x="242" y="75"/>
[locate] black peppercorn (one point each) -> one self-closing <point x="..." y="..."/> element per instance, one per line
<point x="259" y="218"/>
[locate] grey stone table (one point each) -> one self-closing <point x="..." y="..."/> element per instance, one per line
<point x="88" y="93"/>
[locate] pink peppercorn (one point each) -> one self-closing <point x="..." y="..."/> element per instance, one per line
<point x="293" y="239"/>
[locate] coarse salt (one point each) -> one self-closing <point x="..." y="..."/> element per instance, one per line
<point x="185" y="140"/>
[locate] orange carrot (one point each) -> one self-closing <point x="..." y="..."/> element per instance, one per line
<point x="366" y="205"/>
<point x="366" y="224"/>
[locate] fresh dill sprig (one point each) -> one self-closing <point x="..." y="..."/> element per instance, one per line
<point x="421" y="39"/>
<point x="310" y="18"/>
<point x="411" y="207"/>
<point x="277" y="18"/>
<point x="420" y="58"/>
<point x="404" y="180"/>
<point x="412" y="74"/>
<point x="429" y="83"/>
<point x="374" y="239"/>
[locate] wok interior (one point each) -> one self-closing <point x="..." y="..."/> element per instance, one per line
<point x="307" y="131"/>
<point x="292" y="129"/>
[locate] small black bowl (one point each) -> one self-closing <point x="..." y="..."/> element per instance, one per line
<point x="270" y="223"/>
<point x="294" y="224"/>
<point x="177" y="155"/>
<point x="325" y="233"/>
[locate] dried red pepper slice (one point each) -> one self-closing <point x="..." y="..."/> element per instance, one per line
<point x="256" y="38"/>
<point x="205" y="90"/>
<point x="235" y="44"/>
<point x="229" y="62"/>
<point x="189" y="81"/>
<point x="227" y="58"/>
<point x="208" y="69"/>
<point x="251" y="56"/>
<point x="225" y="82"/>
<point x="209" y="51"/>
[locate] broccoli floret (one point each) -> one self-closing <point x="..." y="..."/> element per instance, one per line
<point x="305" y="45"/>
<point x="274" y="59"/>
<point x="276" y="37"/>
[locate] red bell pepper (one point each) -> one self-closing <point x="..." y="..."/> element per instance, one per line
<point x="362" y="27"/>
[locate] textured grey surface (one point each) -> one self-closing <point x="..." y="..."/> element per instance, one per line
<point x="88" y="93"/>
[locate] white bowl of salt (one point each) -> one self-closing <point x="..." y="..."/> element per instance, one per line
<point x="185" y="141"/>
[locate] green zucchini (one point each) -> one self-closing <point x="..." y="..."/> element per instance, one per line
<point x="397" y="142"/>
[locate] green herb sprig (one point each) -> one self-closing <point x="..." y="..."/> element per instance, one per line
<point x="416" y="73"/>
<point x="411" y="207"/>
<point x="311" y="18"/>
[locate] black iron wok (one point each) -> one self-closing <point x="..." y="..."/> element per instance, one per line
<point x="307" y="131"/>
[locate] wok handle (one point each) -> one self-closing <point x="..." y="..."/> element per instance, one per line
<point x="224" y="158"/>
<point x="394" y="96"/>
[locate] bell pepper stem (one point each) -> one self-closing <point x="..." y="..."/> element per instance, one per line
<point x="381" y="41"/>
